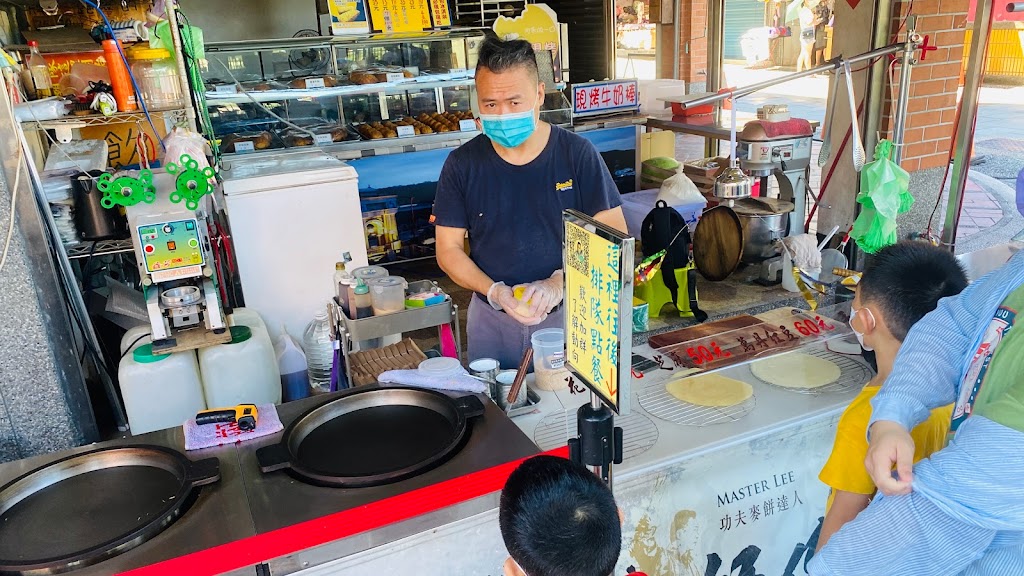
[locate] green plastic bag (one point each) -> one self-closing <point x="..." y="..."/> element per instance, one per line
<point x="884" y="195"/>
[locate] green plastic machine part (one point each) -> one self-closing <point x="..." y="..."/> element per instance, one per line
<point x="125" y="190"/>
<point x="191" y="183"/>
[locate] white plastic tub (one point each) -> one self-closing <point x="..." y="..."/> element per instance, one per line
<point x="243" y="371"/>
<point x="160" y="390"/>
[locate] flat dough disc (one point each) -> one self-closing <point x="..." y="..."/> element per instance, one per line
<point x="795" y="370"/>
<point x="710" y="390"/>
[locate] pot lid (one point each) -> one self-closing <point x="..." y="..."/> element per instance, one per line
<point x="718" y="243"/>
<point x="442" y="366"/>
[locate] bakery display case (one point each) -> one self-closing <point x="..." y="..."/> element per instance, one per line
<point x="349" y="95"/>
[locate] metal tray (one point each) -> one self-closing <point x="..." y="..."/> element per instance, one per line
<point x="532" y="400"/>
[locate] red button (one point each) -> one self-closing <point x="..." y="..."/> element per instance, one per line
<point x="149" y="248"/>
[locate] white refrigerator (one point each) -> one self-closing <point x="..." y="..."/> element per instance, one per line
<point x="292" y="216"/>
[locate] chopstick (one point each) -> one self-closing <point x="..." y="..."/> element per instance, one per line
<point x="517" y="384"/>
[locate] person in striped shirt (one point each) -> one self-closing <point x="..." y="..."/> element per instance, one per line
<point x="961" y="511"/>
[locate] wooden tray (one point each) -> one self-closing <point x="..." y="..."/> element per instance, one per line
<point x="369" y="364"/>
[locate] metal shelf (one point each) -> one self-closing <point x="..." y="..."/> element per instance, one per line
<point x="98" y="248"/>
<point x="72" y="122"/>
<point x="353" y="149"/>
<point x="349" y="90"/>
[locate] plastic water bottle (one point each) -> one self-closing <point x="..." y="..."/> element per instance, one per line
<point x="316" y="342"/>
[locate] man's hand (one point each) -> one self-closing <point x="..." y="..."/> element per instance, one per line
<point x="891" y="445"/>
<point x="512" y="306"/>
<point x="543" y="296"/>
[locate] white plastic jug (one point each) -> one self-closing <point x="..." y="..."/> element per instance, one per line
<point x="135" y="337"/>
<point x="160" y="390"/>
<point x="251" y="318"/>
<point x="243" y="371"/>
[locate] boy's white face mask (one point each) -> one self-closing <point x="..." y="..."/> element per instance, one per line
<point x="860" y="335"/>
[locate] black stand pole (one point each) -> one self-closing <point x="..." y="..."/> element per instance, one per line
<point x="599" y="443"/>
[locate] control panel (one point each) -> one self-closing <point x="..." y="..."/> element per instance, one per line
<point x="171" y="245"/>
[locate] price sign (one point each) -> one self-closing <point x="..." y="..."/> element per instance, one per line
<point x="244" y="147"/>
<point x="322" y="139"/>
<point x="594" y="98"/>
<point x="406" y="131"/>
<point x="313" y="83"/>
<point x="598" y="264"/>
<point x="226" y="89"/>
<point x="395" y="77"/>
<point x="467" y="125"/>
<point x="773" y="334"/>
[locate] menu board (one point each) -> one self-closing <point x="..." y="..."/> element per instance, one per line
<point x="598" y="264"/>
<point x="773" y="332"/>
<point x="399" y="15"/>
<point x="440" y="13"/>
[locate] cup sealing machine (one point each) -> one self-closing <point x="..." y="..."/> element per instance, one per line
<point x="170" y="234"/>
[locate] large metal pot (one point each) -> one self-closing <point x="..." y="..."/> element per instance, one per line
<point x="764" y="220"/>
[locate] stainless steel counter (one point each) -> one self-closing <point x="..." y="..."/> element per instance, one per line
<point x="220" y="514"/>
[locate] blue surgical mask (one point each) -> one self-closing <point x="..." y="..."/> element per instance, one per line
<point x="509" y="130"/>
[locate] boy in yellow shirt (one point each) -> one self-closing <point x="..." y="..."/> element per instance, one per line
<point x="900" y="285"/>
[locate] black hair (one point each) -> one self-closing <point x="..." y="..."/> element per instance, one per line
<point x="906" y="281"/>
<point x="558" y="519"/>
<point x="501" y="55"/>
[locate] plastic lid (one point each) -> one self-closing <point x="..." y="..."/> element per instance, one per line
<point x="33" y="43"/>
<point x="149" y="54"/>
<point x="387" y="281"/>
<point x="370" y="272"/>
<point x="144" y="355"/>
<point x="361" y="287"/>
<point x="240" y="334"/>
<point x="442" y="366"/>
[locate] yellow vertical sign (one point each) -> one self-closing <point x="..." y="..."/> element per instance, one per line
<point x="592" y="292"/>
<point x="398" y="15"/>
<point x="440" y="13"/>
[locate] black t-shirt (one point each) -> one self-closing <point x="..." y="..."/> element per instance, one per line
<point x="514" y="213"/>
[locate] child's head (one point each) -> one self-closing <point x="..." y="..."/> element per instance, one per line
<point x="900" y="285"/>
<point x="558" y="519"/>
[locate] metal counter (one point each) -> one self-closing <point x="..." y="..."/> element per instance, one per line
<point x="220" y="515"/>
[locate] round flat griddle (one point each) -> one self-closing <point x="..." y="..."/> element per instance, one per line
<point x="83" y="509"/>
<point x="718" y="243"/>
<point x="372" y="436"/>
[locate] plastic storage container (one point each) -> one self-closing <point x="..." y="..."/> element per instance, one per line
<point x="367" y="273"/>
<point x="160" y="390"/>
<point x="549" y="358"/>
<point x="157" y="75"/>
<point x="316" y="343"/>
<point x="387" y="294"/>
<point x="135" y="337"/>
<point x="243" y="371"/>
<point x="252" y="319"/>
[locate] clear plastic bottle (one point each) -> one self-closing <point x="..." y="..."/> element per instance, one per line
<point x="40" y="72"/>
<point x="316" y="343"/>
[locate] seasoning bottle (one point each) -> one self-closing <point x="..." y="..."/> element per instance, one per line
<point x="42" y="87"/>
<point x="360" y="301"/>
<point x="124" y="92"/>
<point x="342" y="281"/>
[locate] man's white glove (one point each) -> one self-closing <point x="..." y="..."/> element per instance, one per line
<point x="497" y="293"/>
<point x="543" y="296"/>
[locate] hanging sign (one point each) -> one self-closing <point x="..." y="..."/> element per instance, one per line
<point x="594" y="98"/>
<point x="440" y="13"/>
<point x="538" y="25"/>
<point x="598" y="265"/>
<point x="398" y="15"/>
<point x="348" y="17"/>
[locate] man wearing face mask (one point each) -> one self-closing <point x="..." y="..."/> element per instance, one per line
<point x="507" y="188"/>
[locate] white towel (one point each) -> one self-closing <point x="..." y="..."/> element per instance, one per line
<point x="209" y="435"/>
<point x="458" y="382"/>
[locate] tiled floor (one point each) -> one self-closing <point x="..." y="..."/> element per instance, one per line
<point x="980" y="211"/>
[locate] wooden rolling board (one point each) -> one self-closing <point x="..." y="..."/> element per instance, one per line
<point x="718" y="243"/>
<point x="774" y="332"/>
<point x="702" y="331"/>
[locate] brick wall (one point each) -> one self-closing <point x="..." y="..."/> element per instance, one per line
<point x="693" y="44"/>
<point x="934" y="82"/>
